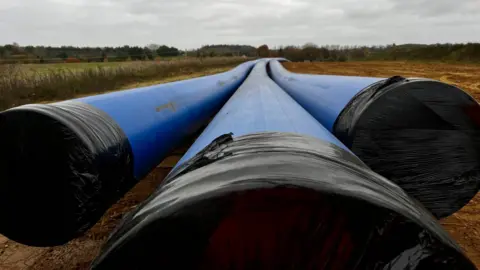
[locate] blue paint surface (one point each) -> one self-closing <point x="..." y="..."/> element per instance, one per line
<point x="260" y="105"/>
<point x="323" y="96"/>
<point x="157" y="118"/>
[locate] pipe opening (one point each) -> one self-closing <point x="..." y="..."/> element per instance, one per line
<point x="257" y="202"/>
<point x="423" y="135"/>
<point x="53" y="176"/>
<point x="276" y="228"/>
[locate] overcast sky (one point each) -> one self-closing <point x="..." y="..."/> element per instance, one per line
<point x="192" y="23"/>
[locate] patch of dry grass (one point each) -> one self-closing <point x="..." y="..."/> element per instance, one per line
<point x="20" y="85"/>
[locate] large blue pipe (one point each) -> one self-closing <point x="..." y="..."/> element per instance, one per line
<point x="82" y="155"/>
<point x="156" y="119"/>
<point x="324" y="96"/>
<point x="260" y="105"/>
<point x="420" y="133"/>
<point x="280" y="191"/>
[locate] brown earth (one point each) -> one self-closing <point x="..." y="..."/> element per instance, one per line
<point x="464" y="226"/>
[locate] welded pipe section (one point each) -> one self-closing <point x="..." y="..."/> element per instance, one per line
<point x="419" y="133"/>
<point x="62" y="165"/>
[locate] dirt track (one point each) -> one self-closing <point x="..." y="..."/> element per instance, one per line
<point x="464" y="226"/>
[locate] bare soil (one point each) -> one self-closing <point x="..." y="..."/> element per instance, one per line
<point x="464" y="226"/>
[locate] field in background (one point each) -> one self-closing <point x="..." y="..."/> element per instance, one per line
<point x="32" y="83"/>
<point x="72" y="66"/>
<point x="86" y="65"/>
<point x="465" y="76"/>
<point x="464" y="226"/>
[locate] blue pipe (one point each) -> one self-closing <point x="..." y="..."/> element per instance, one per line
<point x="156" y="119"/>
<point x="85" y="154"/>
<point x="259" y="105"/>
<point x="323" y="96"/>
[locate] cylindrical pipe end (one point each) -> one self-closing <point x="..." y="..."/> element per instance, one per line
<point x="421" y="134"/>
<point x="270" y="200"/>
<point x="61" y="166"/>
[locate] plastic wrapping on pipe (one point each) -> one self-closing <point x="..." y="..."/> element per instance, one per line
<point x="62" y="165"/>
<point x="279" y="201"/>
<point x="419" y="133"/>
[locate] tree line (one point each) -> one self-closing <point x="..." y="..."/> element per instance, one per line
<point x="466" y="52"/>
<point x="14" y="53"/>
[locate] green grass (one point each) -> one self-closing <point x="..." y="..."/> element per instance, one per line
<point x="23" y="84"/>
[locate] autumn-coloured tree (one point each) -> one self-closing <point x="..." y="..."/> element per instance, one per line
<point x="263" y="51"/>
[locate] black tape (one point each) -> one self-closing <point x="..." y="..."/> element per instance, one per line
<point x="279" y="201"/>
<point x="422" y="135"/>
<point x="61" y="167"/>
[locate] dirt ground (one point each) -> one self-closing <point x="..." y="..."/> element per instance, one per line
<point x="464" y="226"/>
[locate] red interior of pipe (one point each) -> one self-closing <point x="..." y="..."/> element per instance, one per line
<point x="282" y="228"/>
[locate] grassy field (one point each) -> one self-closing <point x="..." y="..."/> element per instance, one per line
<point x="464" y="226"/>
<point x="71" y="66"/>
<point x="23" y="84"/>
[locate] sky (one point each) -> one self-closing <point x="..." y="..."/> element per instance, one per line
<point x="189" y="24"/>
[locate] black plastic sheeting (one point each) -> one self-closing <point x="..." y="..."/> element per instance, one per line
<point x="279" y="201"/>
<point x="421" y="134"/>
<point x="76" y="162"/>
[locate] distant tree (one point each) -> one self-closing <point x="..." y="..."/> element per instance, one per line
<point x="342" y="58"/>
<point x="309" y="45"/>
<point x="30" y="49"/>
<point x="136" y="53"/>
<point x="311" y="52"/>
<point x="16" y="49"/>
<point x="263" y="51"/>
<point x="166" y="51"/>
<point x="358" y="53"/>
<point x="153" y="47"/>
<point x="149" y="53"/>
<point x="324" y="53"/>
<point x="62" y="55"/>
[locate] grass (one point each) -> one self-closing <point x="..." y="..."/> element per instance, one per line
<point x="23" y="84"/>
<point x="71" y="66"/>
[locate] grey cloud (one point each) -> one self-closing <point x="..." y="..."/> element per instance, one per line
<point x="191" y="23"/>
<point x="437" y="8"/>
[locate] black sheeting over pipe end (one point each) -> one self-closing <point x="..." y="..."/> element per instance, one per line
<point x="61" y="166"/>
<point x="277" y="201"/>
<point x="421" y="134"/>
